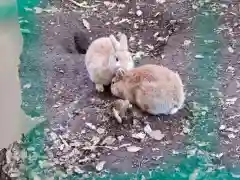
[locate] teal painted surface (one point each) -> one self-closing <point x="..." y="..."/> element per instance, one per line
<point x="30" y="69"/>
<point x="201" y="144"/>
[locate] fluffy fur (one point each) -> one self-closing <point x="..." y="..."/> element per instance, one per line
<point x="155" y="89"/>
<point x="104" y="56"/>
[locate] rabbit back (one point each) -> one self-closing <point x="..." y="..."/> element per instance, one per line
<point x="96" y="60"/>
<point x="155" y="89"/>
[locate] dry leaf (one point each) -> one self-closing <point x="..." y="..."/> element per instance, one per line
<point x="100" y="165"/>
<point x="109" y="4"/>
<point x="157" y="135"/>
<point x="232" y="130"/>
<point x="95" y="140"/>
<point x="147" y="129"/>
<point x="133" y="149"/>
<point x="86" y="24"/>
<point x="125" y="145"/>
<point x="231" y="101"/>
<point x="161" y="1"/>
<point x="100" y="130"/>
<point x="108" y="140"/>
<point x="38" y="10"/>
<point x="139" y="135"/>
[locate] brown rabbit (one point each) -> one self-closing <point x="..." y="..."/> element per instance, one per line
<point x="155" y="89"/>
<point x="104" y="56"/>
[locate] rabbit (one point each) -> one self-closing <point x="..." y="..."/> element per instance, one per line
<point x="155" y="89"/>
<point x="104" y="56"/>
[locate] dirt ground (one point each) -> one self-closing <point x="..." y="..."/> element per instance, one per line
<point x="72" y="99"/>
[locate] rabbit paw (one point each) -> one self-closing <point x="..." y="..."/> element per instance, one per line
<point x="99" y="87"/>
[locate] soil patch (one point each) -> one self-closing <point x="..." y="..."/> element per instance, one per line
<point x="73" y="102"/>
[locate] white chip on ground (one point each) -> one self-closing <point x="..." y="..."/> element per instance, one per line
<point x="133" y="149"/>
<point x="100" y="165"/>
<point x="199" y="56"/>
<point x="231" y="136"/>
<point x="140" y="135"/>
<point x="160" y="1"/>
<point x="91" y="126"/>
<point x="86" y="24"/>
<point x="230" y="49"/>
<point x="100" y="130"/>
<point x="157" y="135"/>
<point x="222" y="127"/>
<point x="187" y="42"/>
<point x="139" y="12"/>
<point x="147" y="129"/>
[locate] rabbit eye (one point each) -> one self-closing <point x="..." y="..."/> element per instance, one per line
<point x="117" y="59"/>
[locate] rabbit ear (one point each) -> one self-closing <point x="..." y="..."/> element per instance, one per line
<point x="123" y="42"/>
<point x="114" y="41"/>
<point x="120" y="73"/>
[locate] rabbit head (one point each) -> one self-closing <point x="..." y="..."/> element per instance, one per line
<point x="118" y="84"/>
<point x="121" y="57"/>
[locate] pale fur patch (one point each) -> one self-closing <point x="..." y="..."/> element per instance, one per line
<point x="174" y="110"/>
<point x="130" y="65"/>
<point x="118" y="64"/>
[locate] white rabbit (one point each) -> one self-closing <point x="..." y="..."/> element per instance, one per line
<point x="104" y="56"/>
<point x="155" y="89"/>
